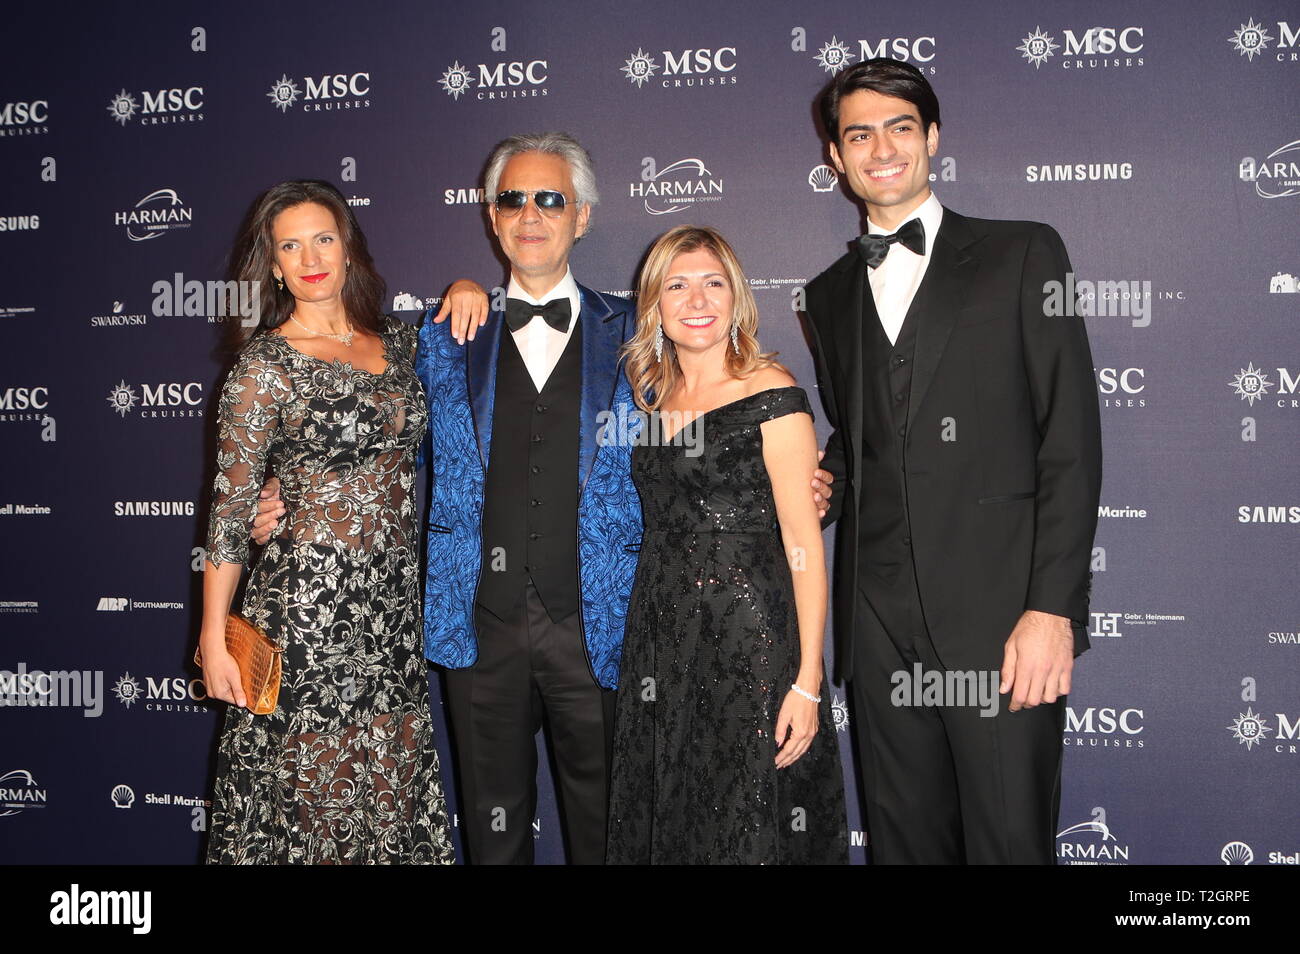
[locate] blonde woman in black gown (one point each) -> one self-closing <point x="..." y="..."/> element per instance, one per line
<point x="724" y="747"/>
<point x="323" y="394"/>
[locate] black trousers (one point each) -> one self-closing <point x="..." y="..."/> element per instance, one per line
<point x="943" y="784"/>
<point x="530" y="669"/>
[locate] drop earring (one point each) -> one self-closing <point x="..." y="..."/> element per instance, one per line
<point x="279" y="282"/>
<point x="659" y="344"/>
<point x="735" y="337"/>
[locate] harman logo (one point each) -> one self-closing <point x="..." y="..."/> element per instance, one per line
<point x="172" y="399"/>
<point x="332" y="92"/>
<point x="683" y="183"/>
<point x="153" y="508"/>
<point x="693" y="67"/>
<point x="1251" y="39"/>
<point x="181" y="104"/>
<point x="1275" y="177"/>
<point x="166" y="694"/>
<point x="1092" y="48"/>
<point x="159" y="212"/>
<point x="822" y="178"/>
<point x="25" y="118"/>
<point x="18" y="790"/>
<point x="19" y="223"/>
<point x="1091" y="843"/>
<point x="1236" y="853"/>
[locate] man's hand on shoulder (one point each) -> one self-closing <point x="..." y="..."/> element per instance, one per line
<point x="821" y="485"/>
<point x="466" y="303"/>
<point x="1037" y="660"/>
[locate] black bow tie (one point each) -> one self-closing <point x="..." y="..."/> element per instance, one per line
<point x="874" y="248"/>
<point x="555" y="313"/>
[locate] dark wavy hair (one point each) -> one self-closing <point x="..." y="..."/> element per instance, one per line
<point x="254" y="254"/>
<point x="885" y="76"/>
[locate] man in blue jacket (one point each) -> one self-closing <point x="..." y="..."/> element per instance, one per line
<point x="534" y="520"/>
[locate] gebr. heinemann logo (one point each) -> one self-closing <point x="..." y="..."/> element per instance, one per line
<point x="1248" y="728"/>
<point x="1250" y="38"/>
<point x="1250" y="383"/>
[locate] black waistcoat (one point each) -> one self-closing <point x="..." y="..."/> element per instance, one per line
<point x="883" y="535"/>
<point x="530" y="512"/>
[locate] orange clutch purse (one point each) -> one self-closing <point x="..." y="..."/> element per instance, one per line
<point x="259" y="663"/>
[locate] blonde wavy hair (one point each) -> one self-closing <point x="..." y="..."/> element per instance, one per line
<point x="653" y="380"/>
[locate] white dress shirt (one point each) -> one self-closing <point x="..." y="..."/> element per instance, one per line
<point x="539" y="344"/>
<point x="895" y="281"/>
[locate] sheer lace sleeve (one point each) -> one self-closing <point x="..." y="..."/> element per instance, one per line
<point x="248" y="413"/>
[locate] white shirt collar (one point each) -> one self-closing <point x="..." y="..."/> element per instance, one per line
<point x="930" y="212"/>
<point x="567" y="288"/>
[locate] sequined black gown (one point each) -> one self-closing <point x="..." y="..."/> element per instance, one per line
<point x="710" y="651"/>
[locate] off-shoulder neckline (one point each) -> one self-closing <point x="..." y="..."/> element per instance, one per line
<point x="721" y="407"/>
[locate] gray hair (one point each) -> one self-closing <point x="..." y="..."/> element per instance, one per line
<point x="554" y="144"/>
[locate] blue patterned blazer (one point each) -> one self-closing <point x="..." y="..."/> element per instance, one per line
<point x="460" y="383"/>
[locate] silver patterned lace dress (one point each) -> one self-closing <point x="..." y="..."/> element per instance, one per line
<point x="344" y="770"/>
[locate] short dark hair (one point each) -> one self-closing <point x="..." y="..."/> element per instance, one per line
<point x="885" y="76"/>
<point x="254" y="254"/>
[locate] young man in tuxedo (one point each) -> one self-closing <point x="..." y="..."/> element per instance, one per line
<point x="967" y="463"/>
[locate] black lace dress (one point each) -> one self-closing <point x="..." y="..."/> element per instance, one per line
<point x="344" y="770"/>
<point x="711" y="648"/>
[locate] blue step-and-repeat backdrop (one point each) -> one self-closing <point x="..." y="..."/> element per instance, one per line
<point x="1162" y="141"/>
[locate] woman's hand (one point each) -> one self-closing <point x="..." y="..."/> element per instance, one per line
<point x="221" y="672"/>
<point x="466" y="303"/>
<point x="798" y="718"/>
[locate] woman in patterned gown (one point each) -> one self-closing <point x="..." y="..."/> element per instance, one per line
<point x="324" y="394"/>
<point x="724" y="746"/>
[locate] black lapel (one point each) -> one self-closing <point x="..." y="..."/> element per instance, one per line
<point x="938" y="301"/>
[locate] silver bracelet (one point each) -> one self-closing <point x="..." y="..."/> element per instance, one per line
<point x="805" y="693"/>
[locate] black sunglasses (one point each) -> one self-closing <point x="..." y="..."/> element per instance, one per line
<point x="549" y="201"/>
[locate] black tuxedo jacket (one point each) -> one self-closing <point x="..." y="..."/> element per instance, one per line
<point x="1002" y="515"/>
